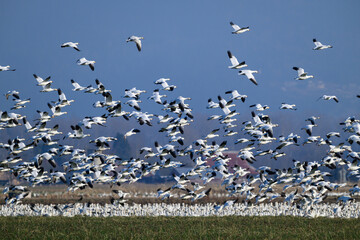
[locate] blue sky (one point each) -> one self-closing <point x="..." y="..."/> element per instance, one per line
<point x="187" y="42"/>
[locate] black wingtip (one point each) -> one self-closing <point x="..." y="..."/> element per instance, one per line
<point x="229" y="54"/>
<point x="295" y="68"/>
<point x="314" y="40"/>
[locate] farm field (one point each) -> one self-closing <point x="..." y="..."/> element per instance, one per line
<point x="178" y="228"/>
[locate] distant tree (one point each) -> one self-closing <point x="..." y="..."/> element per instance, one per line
<point x="121" y="147"/>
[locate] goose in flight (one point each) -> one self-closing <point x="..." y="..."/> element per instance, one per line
<point x="235" y="63"/>
<point x="328" y="97"/>
<point x="71" y="44"/>
<point x="47" y="88"/>
<point x="77" y="86"/>
<point x="319" y="45"/>
<point x="238" y="29"/>
<point x="288" y="106"/>
<point x="260" y="107"/>
<point x="84" y="61"/>
<point x="6" y="68"/>
<point x="41" y="81"/>
<point x="302" y="75"/>
<point x="249" y="75"/>
<point x="131" y="132"/>
<point x="236" y="96"/>
<point x="137" y="40"/>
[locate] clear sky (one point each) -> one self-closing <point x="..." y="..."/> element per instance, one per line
<point x="187" y="42"/>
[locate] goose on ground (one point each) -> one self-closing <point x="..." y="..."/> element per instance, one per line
<point x="238" y="29"/>
<point x="302" y="75"/>
<point x="84" y="61"/>
<point x="71" y="44"/>
<point x="249" y="75"/>
<point x="137" y="40"/>
<point x="319" y="45"/>
<point x="235" y="63"/>
<point x="6" y="68"/>
<point x="329" y="97"/>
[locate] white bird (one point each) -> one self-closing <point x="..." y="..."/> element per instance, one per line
<point x="236" y="96"/>
<point x="47" y="88"/>
<point x="329" y="97"/>
<point x="84" y="61"/>
<point x="238" y="29"/>
<point x="235" y="63"/>
<point x="137" y="40"/>
<point x="6" y="68"/>
<point x="131" y="132"/>
<point x="42" y="82"/>
<point x="77" y="86"/>
<point x="164" y="84"/>
<point x="288" y="106"/>
<point x="302" y="75"/>
<point x="71" y="44"/>
<point x="156" y="96"/>
<point x="249" y="75"/>
<point x="319" y="45"/>
<point x="260" y="107"/>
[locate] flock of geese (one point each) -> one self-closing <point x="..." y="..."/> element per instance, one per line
<point x="303" y="185"/>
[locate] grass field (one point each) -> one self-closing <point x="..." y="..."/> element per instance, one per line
<point x="178" y="228"/>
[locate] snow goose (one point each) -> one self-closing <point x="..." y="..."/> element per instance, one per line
<point x="6" y="68"/>
<point x="288" y="106"/>
<point x="56" y="110"/>
<point x="249" y="75"/>
<point x="47" y="88"/>
<point x="71" y="44"/>
<point x="131" y="132"/>
<point x="319" y="45"/>
<point x="42" y="82"/>
<point x="13" y="93"/>
<point x="302" y="75"/>
<point x="84" y="61"/>
<point x="236" y="96"/>
<point x="329" y="97"/>
<point x="164" y="84"/>
<point x="238" y="29"/>
<point x="77" y="86"/>
<point x="156" y="96"/>
<point x="260" y="107"/>
<point x="137" y="40"/>
<point x="235" y="63"/>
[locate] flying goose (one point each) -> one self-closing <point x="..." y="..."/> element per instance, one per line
<point x="238" y="29"/>
<point x="42" y="82"/>
<point x="249" y="75"/>
<point x="84" y="61"/>
<point x="288" y="106"/>
<point x="137" y="40"/>
<point x="131" y="132"/>
<point x="6" y="68"/>
<point x="236" y="96"/>
<point x="329" y="97"/>
<point x="77" y="86"/>
<point x="319" y="45"/>
<point x="302" y="75"/>
<point x="71" y="44"/>
<point x="235" y="63"/>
